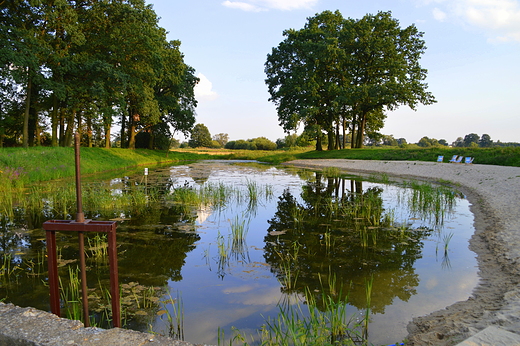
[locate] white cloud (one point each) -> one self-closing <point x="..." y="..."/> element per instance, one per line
<point x="203" y="90"/>
<point x="264" y="5"/>
<point x="439" y="15"/>
<point x="500" y="19"/>
<point x="242" y="6"/>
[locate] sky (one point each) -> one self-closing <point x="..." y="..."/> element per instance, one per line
<point x="472" y="58"/>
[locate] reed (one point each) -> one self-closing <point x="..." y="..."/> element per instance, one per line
<point x="70" y="294"/>
<point x="431" y="202"/>
<point x="368" y="293"/>
<point x="7" y="270"/>
<point x="175" y="318"/>
<point x="222" y="255"/>
<point x="288" y="266"/>
<point x="97" y="248"/>
<point x="239" y="229"/>
<point x="331" y="172"/>
<point x="446" y="238"/>
<point x="310" y="321"/>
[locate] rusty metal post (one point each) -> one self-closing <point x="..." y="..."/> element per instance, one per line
<point x="83" y="273"/>
<point x="80" y="217"/>
<point x="114" y="277"/>
<point x="53" y="273"/>
<point x="81" y="226"/>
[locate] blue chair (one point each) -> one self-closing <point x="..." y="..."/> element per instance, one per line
<point x="440" y="158"/>
<point x="456" y="159"/>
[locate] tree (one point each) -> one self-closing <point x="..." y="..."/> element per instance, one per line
<point x="200" y="137"/>
<point x="485" y="141"/>
<point x="471" y="139"/>
<point x="221" y="138"/>
<point x="79" y="65"/>
<point x="459" y="142"/>
<point x="343" y="71"/>
<point x="427" y="142"/>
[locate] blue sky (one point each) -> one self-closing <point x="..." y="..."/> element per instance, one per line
<point x="472" y="59"/>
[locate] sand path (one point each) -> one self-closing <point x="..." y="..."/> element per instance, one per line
<point x="494" y="194"/>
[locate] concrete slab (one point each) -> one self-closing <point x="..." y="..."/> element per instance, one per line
<point x="492" y="336"/>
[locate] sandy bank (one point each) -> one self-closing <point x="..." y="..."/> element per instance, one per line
<point x="494" y="193"/>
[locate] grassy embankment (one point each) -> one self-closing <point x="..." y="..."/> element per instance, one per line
<point x="23" y="166"/>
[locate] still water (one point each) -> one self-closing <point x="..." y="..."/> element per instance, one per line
<point x="299" y="230"/>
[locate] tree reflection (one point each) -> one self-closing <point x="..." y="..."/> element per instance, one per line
<point x="343" y="233"/>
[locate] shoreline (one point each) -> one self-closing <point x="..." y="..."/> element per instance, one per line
<point x="491" y="191"/>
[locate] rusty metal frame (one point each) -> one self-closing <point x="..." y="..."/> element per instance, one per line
<point x="109" y="227"/>
<point x="82" y="226"/>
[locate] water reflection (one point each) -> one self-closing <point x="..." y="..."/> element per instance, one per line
<point x="179" y="231"/>
<point x="344" y="232"/>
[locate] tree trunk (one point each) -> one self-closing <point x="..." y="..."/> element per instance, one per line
<point x="123" y="131"/>
<point x="330" y="137"/>
<point x="361" y="130"/>
<point x="152" y="139"/>
<point x="89" y="131"/>
<point x="54" y="121"/>
<point x="26" y="114"/>
<point x="107" y="136"/>
<point x="318" y="139"/>
<point x="353" y="136"/>
<point x="70" y="129"/>
<point x="62" y="128"/>
<point x="131" y="131"/>
<point x="344" y="133"/>
<point x="338" y="143"/>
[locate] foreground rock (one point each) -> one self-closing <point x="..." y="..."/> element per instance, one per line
<point x="29" y="326"/>
<point x="493" y="192"/>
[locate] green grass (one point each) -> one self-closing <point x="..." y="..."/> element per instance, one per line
<point x="19" y="166"/>
<point x="45" y="163"/>
<point x="490" y="156"/>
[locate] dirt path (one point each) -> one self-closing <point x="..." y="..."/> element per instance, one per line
<point x="494" y="194"/>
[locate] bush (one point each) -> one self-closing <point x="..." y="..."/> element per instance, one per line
<point x="263" y="143"/>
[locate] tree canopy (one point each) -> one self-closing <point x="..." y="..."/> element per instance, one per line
<point x="345" y="72"/>
<point x="83" y="65"/>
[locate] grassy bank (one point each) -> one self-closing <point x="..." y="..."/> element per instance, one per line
<point x="488" y="156"/>
<point x="44" y="163"/>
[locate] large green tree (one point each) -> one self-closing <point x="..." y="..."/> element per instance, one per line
<point x="82" y="65"/>
<point x="347" y="72"/>
<point x="200" y="137"/>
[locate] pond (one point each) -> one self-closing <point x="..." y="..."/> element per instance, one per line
<point x="212" y="249"/>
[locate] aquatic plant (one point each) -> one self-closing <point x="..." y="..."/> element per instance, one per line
<point x="331" y="172"/>
<point x="307" y="321"/>
<point x="239" y="228"/>
<point x="431" y="202"/>
<point x="175" y="318"/>
<point x="97" y="247"/>
<point x="288" y="266"/>
<point x="70" y="293"/>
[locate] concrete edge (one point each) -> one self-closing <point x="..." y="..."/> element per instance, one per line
<point x="33" y="327"/>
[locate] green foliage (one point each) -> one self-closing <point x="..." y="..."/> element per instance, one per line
<point x="508" y="156"/>
<point x="338" y="71"/>
<point x="54" y="63"/>
<point x="22" y="166"/>
<point x="260" y="143"/>
<point x="426" y="142"/>
<point x="222" y="139"/>
<point x="200" y="137"/>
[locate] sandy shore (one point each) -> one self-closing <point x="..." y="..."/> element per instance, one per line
<point x="494" y="193"/>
